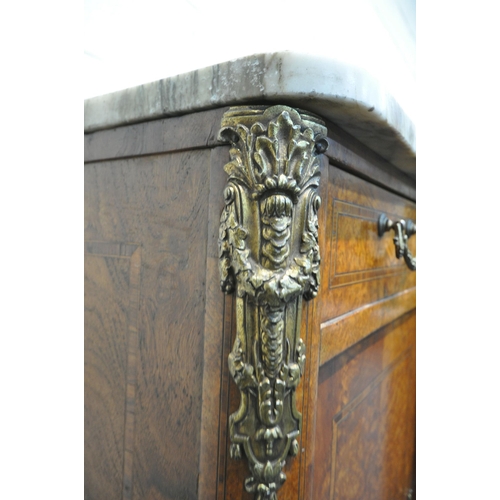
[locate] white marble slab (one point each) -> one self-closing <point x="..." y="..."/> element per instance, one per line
<point x="345" y="95"/>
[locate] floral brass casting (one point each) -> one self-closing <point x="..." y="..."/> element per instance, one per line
<point x="269" y="256"/>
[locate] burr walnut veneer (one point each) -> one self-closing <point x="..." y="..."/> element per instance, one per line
<point x="159" y="330"/>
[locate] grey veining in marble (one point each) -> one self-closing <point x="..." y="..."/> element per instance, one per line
<point x="345" y="95"/>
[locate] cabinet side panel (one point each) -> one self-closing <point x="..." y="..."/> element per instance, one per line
<point x="106" y="328"/>
<point x="216" y="339"/>
<point x="158" y="204"/>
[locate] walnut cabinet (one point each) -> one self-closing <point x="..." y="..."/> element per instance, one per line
<point x="159" y="330"/>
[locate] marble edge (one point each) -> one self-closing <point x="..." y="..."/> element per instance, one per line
<point x="343" y="94"/>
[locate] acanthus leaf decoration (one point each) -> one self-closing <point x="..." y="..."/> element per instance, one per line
<point x="269" y="256"/>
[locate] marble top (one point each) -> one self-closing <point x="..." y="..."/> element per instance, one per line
<point x="345" y="95"/>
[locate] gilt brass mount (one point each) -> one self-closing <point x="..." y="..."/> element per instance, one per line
<point x="269" y="256"/>
<point x="403" y="229"/>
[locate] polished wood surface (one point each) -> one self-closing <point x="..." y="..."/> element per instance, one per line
<point x="340" y="333"/>
<point x="146" y="243"/>
<point x="197" y="130"/>
<point x="365" y="317"/>
<point x="158" y="329"/>
<point x="359" y="267"/>
<point x="365" y="437"/>
<point x="347" y="153"/>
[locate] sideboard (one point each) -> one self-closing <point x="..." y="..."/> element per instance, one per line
<point x="249" y="327"/>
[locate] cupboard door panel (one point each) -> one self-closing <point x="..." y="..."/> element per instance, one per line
<point x="365" y="427"/>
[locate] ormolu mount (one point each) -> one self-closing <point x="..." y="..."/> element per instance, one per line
<point x="269" y="255"/>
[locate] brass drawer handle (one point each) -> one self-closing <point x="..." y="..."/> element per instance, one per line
<point x="403" y="229"/>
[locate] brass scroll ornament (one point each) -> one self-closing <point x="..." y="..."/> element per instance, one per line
<point x="269" y="255"/>
<point x="403" y="229"/>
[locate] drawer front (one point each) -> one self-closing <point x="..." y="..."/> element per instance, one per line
<point x="364" y="285"/>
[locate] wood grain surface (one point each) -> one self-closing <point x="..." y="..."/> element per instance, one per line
<point x="158" y="203"/>
<point x="158" y="330"/>
<point x="217" y="340"/>
<point x="346" y="152"/>
<point x="106" y="314"/>
<point x="340" y="333"/>
<point x="364" y="319"/>
<point x="196" y="130"/>
<point x="359" y="267"/>
<point x="366" y="418"/>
